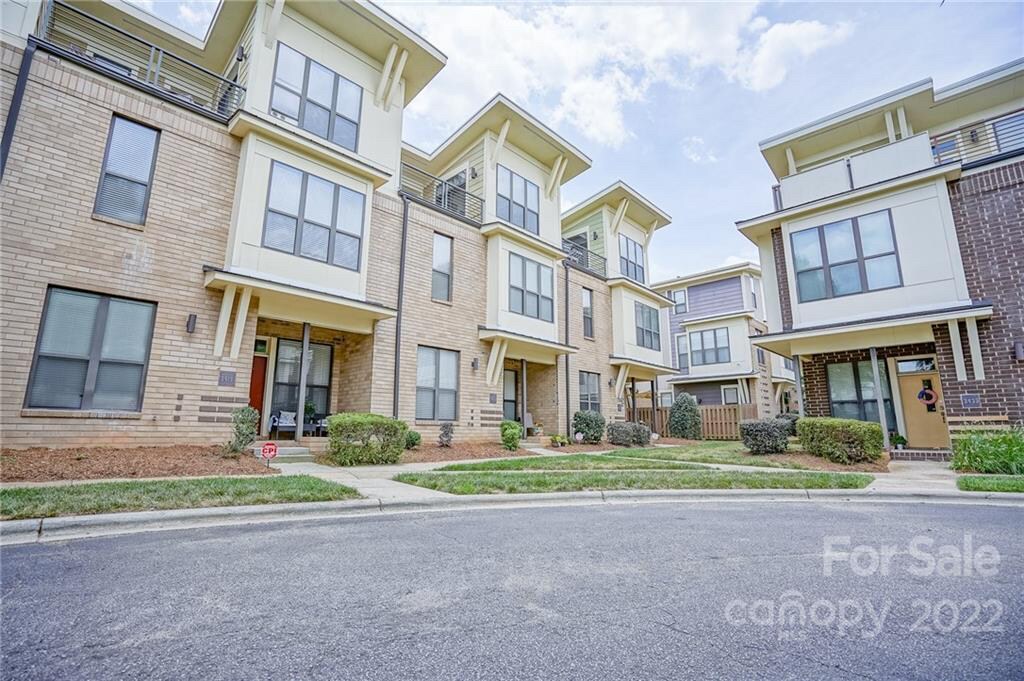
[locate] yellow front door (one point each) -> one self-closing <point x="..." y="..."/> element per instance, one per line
<point x="924" y="411"/>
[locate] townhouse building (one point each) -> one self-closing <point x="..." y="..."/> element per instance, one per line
<point x="193" y="225"/>
<point x="893" y="258"/>
<point x="710" y="324"/>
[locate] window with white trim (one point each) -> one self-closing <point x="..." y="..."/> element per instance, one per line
<point x="631" y="259"/>
<point x="437" y="384"/>
<point x="682" y="353"/>
<point x="127" y="176"/>
<point x="648" y="326"/>
<point x="710" y="346"/>
<point x="730" y="395"/>
<point x="679" y="297"/>
<point x="531" y="288"/>
<point x="518" y="200"/>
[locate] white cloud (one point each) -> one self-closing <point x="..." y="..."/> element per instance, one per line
<point x="195" y="15"/>
<point x="731" y="260"/>
<point x="695" y="150"/>
<point x="584" y="64"/>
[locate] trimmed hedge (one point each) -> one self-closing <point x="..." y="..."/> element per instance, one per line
<point x="843" y="441"/>
<point x="359" y="439"/>
<point x="994" y="452"/>
<point x="791" y="418"/>
<point x="591" y="424"/>
<point x="629" y="434"/>
<point x="765" y="436"/>
<point x="412" y="439"/>
<point x="684" y="418"/>
<point x="511" y="433"/>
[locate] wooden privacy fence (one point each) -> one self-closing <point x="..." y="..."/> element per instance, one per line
<point x="718" y="421"/>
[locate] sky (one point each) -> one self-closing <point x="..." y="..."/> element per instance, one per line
<point x="674" y="97"/>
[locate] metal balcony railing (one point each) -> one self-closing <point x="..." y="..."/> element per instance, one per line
<point x="1001" y="136"/>
<point x="585" y="259"/>
<point x="442" y="194"/>
<point x="107" y="49"/>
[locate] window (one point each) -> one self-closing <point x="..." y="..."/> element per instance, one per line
<point x="286" y="377"/>
<point x="851" y="388"/>
<point x="912" y="366"/>
<point x="665" y="399"/>
<point x="509" y="385"/>
<point x="112" y="64"/>
<point x="709" y="347"/>
<point x="437" y="384"/>
<point x="760" y="356"/>
<point x="313" y="218"/>
<point x="945" y="149"/>
<point x="531" y="288"/>
<point x="1010" y="132"/>
<point x="730" y="395"/>
<point x="648" y="327"/>
<point x="682" y="353"/>
<point x="631" y="259"/>
<point x="451" y="194"/>
<point x="590" y="391"/>
<point x="92" y="352"/>
<point x="680" y="300"/>
<point x="846" y="257"/>
<point x="441" y="276"/>
<point x="788" y="363"/>
<point x="315" y="98"/>
<point x="588" y="313"/>
<point x="127" y="175"/>
<point x="518" y="200"/>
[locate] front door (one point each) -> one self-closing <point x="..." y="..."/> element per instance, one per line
<point x="258" y="383"/>
<point x="924" y="411"/>
<point x="509" y="405"/>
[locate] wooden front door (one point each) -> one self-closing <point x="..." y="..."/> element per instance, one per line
<point x="926" y="423"/>
<point x="258" y="383"/>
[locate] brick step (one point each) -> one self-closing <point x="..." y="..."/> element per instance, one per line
<point x="921" y="455"/>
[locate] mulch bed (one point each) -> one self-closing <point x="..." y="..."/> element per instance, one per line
<point x="459" y="451"/>
<point x="92" y="463"/>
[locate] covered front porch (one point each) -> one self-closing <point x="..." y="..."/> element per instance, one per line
<point x="636" y="384"/>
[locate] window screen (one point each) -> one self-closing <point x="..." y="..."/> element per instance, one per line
<point x="127" y="171"/>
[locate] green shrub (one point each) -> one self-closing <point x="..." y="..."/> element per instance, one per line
<point x="684" y="418"/>
<point x="445" y="435"/>
<point x="843" y="441"/>
<point x="995" y="452"/>
<point x="412" y="439"/>
<point x="765" y="436"/>
<point x="511" y="433"/>
<point x="590" y="424"/>
<point x="357" y="438"/>
<point x="629" y="434"/>
<point x="559" y="441"/>
<point x="244" y="426"/>
<point x="791" y="418"/>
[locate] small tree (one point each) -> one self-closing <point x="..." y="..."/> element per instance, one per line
<point x="684" y="418"/>
<point x="244" y="425"/>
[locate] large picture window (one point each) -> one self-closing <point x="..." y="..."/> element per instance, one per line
<point x="648" y="327"/>
<point x="318" y="377"/>
<point x="315" y="98"/>
<point x="631" y="259"/>
<point x="851" y="388"/>
<point x="437" y="384"/>
<point x="92" y="352"/>
<point x="313" y="218"/>
<point x="531" y="288"/>
<point x="590" y="391"/>
<point x="127" y="175"/>
<point x="709" y="347"/>
<point x="518" y="200"/>
<point x="846" y="257"/>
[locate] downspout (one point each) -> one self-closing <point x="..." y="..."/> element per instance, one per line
<point x="568" y="410"/>
<point x="401" y="295"/>
<point x="15" y="108"/>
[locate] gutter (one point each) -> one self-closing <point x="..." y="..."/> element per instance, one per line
<point x="398" y="305"/>
<point x="15" y="108"/>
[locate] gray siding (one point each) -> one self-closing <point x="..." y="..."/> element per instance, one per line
<point x="714" y="297"/>
<point x="706" y="393"/>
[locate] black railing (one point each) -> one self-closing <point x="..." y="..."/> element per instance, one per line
<point x="105" y="48"/>
<point x="585" y="259"/>
<point x="1002" y="136"/>
<point x="442" y="194"/>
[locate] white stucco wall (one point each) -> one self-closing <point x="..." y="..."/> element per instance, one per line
<point x="498" y="313"/>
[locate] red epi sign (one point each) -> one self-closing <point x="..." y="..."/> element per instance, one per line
<point x="269" y="450"/>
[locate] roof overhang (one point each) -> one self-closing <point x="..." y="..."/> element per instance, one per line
<point x="878" y="332"/>
<point x="523" y="238"/>
<point x="723" y="272"/>
<point x="639" y="210"/>
<point x="641" y="369"/>
<point x="641" y="290"/>
<point x="525" y="132"/>
<point x="529" y="348"/>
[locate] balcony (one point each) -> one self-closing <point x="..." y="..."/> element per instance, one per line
<point x="441" y="195"/>
<point x="585" y="259"/>
<point x="93" y="43"/>
<point x="985" y="140"/>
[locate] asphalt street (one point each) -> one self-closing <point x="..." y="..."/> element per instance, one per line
<point x="656" y="591"/>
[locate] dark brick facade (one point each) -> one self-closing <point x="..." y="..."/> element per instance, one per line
<point x="779" y="254"/>
<point x="988" y="210"/>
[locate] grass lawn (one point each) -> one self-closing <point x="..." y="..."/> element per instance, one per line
<point x="109" y="497"/>
<point x="991" y="483"/>
<point x="575" y="462"/>
<point x="503" y="482"/>
<point x="709" y="452"/>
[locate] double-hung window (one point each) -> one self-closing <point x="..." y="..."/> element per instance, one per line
<point x="318" y="377"/>
<point x="518" y="200"/>
<point x="730" y="395"/>
<point x="631" y="259"/>
<point x="441" y="275"/>
<point x="709" y="347"/>
<point x="316" y="98"/>
<point x="92" y="352"/>
<point x="682" y="353"/>
<point x="127" y="175"/>
<point x="590" y="391"/>
<point x="852" y="395"/>
<point x="648" y="327"/>
<point x="846" y="257"/>
<point x="679" y="297"/>
<point x="588" y="313"/>
<point x="437" y="384"/>
<point x="313" y="218"/>
<point x="531" y="288"/>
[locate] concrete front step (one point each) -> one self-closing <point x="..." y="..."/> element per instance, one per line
<point x="285" y="453"/>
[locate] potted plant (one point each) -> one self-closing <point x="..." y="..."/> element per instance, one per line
<point x="898" y="440"/>
<point x="538" y="430"/>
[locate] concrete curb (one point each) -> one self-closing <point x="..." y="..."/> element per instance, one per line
<point x="13" y="532"/>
